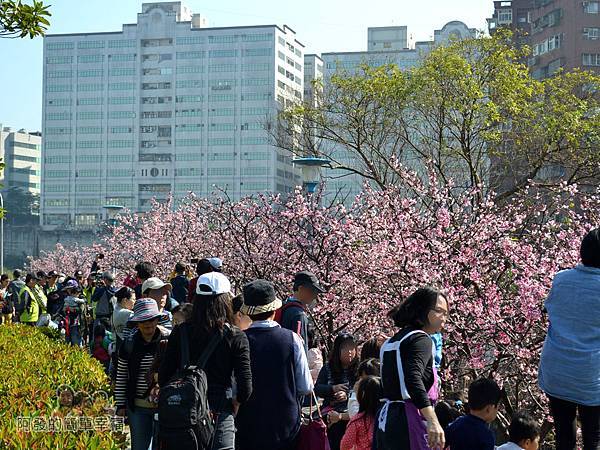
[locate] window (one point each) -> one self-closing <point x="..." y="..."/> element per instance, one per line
<point x="121" y="100"/>
<point x="263" y="170"/>
<point x="87" y="187"/>
<point x="298" y="52"/>
<point x="89" y="158"/>
<point x="216" y="68"/>
<point x="57" y="202"/>
<point x="188" y="187"/>
<point x="281" y="55"/>
<point x="223" y="53"/>
<point x="505" y="16"/>
<point x="89" y="144"/>
<point x="57" y="130"/>
<point x="188" y="142"/>
<point x="221" y="97"/>
<point x="591" y="7"/>
<point x="58" y="116"/>
<point x="221" y="112"/>
<point x="155" y="188"/>
<point x="221" y="85"/>
<point x="26" y="145"/>
<point x="255" y="186"/>
<point x="119" y="158"/>
<point x="220" y="141"/>
<point x="59" y="88"/>
<point x="123" y="43"/>
<point x="281" y="40"/>
<point x="189" y="127"/>
<point x="222" y="127"/>
<point x="258" y="52"/>
<point x="121" y="115"/>
<point x="158" y="71"/>
<point x="547" y="45"/>
<point x="57" y="173"/>
<point x="591" y="59"/>
<point x="90" y="58"/>
<point x="60" y="102"/>
<point x="189" y="157"/>
<point x="162" y="85"/>
<point x="256" y="67"/>
<point x="90" y="101"/>
<point x="255" y="111"/>
<point x="85" y="219"/>
<point x="255" y="140"/>
<point x="191" y="55"/>
<point x="257" y="37"/>
<point x="56" y="145"/>
<point x="89" y="130"/>
<point x="122" y="72"/>
<point x="156" y="114"/>
<point x="157" y="42"/>
<point x="89" y="115"/>
<point x="188" y="113"/>
<point x="220" y="171"/>
<point x="90" y="87"/>
<point x="119" y="187"/>
<point x="33" y="159"/>
<point x="57" y="187"/>
<point x="592" y="33"/>
<point x="124" y="86"/>
<point x="188" y="172"/>
<point x="188" y="98"/>
<point x="90" y="44"/>
<point x="60" y="74"/>
<point x="60" y="46"/>
<point x="59" y="60"/>
<point x="88" y="202"/>
<point x="256" y="81"/>
<point x="120" y="143"/>
<point x="190" y="69"/>
<point x="256" y="156"/>
<point x="120" y="130"/>
<point x="119" y="173"/>
<point x="189" y="84"/>
<point x="157" y="100"/>
<point x="253" y="126"/>
<point x="254" y="96"/>
<point x="185" y="40"/>
<point x="220" y="156"/>
<point x="223" y="39"/>
<point x="122" y="57"/>
<point x="89" y="173"/>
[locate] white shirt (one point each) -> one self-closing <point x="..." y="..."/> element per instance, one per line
<point x="304" y="383"/>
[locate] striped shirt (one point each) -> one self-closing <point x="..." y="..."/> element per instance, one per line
<point x="141" y="386"/>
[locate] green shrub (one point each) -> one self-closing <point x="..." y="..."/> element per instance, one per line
<point x="32" y="368"/>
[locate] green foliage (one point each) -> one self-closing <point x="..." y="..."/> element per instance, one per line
<point x="21" y="206"/>
<point x="470" y="110"/>
<point x="31" y="369"/>
<point x="18" y="19"/>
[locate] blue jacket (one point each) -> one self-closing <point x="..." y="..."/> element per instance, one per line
<point x="570" y="361"/>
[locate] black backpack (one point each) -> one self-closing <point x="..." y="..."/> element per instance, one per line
<point x="184" y="416"/>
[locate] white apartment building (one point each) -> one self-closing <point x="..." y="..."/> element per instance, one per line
<point x="20" y="151"/>
<point x="164" y="107"/>
<point x="385" y="45"/>
<point x="313" y="70"/>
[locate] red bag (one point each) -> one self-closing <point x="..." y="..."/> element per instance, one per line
<point x="313" y="433"/>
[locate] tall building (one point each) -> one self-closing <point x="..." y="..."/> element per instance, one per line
<point x="313" y="70"/>
<point x="164" y="107"/>
<point x="513" y="14"/>
<point x="385" y="45"/>
<point x="21" y="153"/>
<point x="563" y="34"/>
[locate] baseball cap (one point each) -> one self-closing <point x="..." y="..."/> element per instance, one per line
<point x="52" y="273"/>
<point x="216" y="263"/>
<point x="306" y="278"/>
<point x="71" y="284"/>
<point x="154" y="283"/>
<point x="212" y="283"/>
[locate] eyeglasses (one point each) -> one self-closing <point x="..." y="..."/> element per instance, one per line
<point x="441" y="311"/>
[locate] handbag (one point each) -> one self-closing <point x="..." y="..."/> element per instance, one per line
<point x="313" y="432"/>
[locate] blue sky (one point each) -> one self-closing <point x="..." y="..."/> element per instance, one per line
<point x="322" y="25"/>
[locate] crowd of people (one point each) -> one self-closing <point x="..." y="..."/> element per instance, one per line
<point x="195" y="366"/>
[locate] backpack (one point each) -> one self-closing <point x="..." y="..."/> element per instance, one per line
<point x="185" y="422"/>
<point x="286" y="306"/>
<point x="106" y="304"/>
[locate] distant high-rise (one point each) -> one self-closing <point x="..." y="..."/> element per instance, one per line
<point x="164" y="107"/>
<point x="562" y="34"/>
<point x="20" y="151"/>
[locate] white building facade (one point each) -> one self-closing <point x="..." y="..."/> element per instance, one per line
<point x="164" y="107"/>
<point x="386" y="45"/>
<point x="20" y="151"/>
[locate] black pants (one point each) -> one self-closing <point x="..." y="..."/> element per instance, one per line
<point x="564" y="414"/>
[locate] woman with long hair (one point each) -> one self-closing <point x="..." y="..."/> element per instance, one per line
<point x="212" y="314"/>
<point x="334" y="384"/>
<point x="407" y="420"/>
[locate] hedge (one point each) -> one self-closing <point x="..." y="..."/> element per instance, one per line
<point x="32" y="367"/>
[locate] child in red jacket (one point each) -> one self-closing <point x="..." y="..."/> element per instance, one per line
<point x="360" y="429"/>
